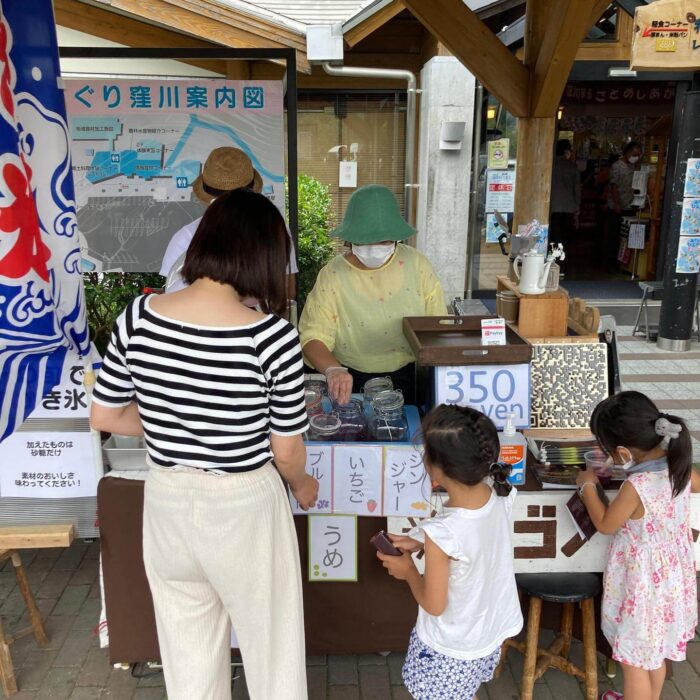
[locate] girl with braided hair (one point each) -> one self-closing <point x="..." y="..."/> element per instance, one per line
<point x="649" y="609"/>
<point x="468" y="600"/>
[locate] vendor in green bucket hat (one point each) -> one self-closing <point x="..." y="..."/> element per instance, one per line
<point x="352" y="324"/>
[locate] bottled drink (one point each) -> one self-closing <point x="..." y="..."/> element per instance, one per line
<point x="513" y="451"/>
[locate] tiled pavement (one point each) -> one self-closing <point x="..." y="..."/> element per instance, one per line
<point x="73" y="667"/>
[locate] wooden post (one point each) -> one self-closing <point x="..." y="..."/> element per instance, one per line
<point x="531" y="642"/>
<point x="590" y="659"/>
<point x="34" y="614"/>
<point x="533" y="181"/>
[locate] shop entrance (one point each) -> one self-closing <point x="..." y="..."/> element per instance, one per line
<point x="599" y="119"/>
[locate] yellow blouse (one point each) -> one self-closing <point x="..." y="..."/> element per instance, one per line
<point x="358" y="314"/>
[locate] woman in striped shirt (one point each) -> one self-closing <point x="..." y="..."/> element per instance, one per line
<point x="217" y="389"/>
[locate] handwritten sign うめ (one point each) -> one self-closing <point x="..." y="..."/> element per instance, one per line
<point x="495" y="390"/>
<point x="319" y="464"/>
<point x="357" y="480"/>
<point x="332" y="548"/>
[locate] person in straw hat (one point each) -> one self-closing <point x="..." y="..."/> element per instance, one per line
<point x="226" y="169"/>
<point x="351" y="326"/>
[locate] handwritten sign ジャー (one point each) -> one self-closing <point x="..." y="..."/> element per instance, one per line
<point x="332" y="548"/>
<point x="357" y="480"/>
<point x="406" y="484"/>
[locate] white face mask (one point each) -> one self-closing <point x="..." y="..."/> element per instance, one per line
<point x="633" y="159"/>
<point x="373" y="256"/>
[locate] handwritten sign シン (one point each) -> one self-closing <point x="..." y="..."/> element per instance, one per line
<point x="332" y="548"/>
<point x="406" y="484"/>
<point x="495" y="390"/>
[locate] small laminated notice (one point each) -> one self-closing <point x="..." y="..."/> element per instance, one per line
<point x="493" y="331"/>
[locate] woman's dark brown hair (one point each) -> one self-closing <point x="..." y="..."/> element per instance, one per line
<point x="242" y="241"/>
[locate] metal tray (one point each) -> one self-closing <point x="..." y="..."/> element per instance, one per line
<point x="124" y="453"/>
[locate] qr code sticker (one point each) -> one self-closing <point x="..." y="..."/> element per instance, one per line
<point x="568" y="381"/>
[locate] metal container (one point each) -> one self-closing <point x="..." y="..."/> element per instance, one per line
<point x="124" y="453"/>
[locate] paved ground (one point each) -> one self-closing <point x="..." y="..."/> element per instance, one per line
<point x="73" y="667"/>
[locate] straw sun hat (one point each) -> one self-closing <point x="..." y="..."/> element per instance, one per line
<point x="224" y="170"/>
<point x="373" y="216"/>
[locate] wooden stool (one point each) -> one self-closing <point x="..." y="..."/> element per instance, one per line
<point x="566" y="589"/>
<point x="12" y="539"/>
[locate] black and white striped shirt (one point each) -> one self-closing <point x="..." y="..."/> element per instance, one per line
<point x="208" y="396"/>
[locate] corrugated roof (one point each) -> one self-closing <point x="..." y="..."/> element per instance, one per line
<point x="309" y="11"/>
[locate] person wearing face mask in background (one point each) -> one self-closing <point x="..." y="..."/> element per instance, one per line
<point x="566" y="195"/>
<point x="352" y="325"/>
<point x="620" y="196"/>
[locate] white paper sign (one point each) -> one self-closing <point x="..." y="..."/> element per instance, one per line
<point x="406" y="483"/>
<point x="500" y="190"/>
<point x="332" y="548"/>
<point x="495" y="390"/>
<point x="357" y="479"/>
<point x="493" y="331"/>
<point x="319" y="464"/>
<point x="47" y="465"/>
<point x="635" y="238"/>
<point x="347" y="176"/>
<point x="692" y="178"/>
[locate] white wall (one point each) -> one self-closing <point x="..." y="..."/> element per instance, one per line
<point x="444" y="176"/>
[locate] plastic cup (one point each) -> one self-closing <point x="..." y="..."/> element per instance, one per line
<point x="599" y="463"/>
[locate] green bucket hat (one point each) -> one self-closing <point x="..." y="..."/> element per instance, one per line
<point x="373" y="216"/>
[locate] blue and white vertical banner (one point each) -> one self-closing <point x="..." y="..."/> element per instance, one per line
<point x="42" y="308"/>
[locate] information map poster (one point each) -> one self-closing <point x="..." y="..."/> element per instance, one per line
<point x="138" y="145"/>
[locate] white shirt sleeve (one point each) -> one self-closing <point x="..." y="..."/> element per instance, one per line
<point x="292" y="268"/>
<point x="179" y="243"/>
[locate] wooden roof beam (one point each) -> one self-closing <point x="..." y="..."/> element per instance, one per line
<point x="361" y="31"/>
<point x="556" y="32"/>
<point x="202" y="22"/>
<point x="129" y="32"/>
<point x="478" y="48"/>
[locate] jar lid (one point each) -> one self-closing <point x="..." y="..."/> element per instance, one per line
<point x="352" y="406"/>
<point x="312" y="396"/>
<point x="388" y="401"/>
<point x="376" y="384"/>
<point x="325" y="423"/>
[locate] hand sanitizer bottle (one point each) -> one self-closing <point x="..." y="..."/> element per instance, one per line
<point x="513" y="451"/>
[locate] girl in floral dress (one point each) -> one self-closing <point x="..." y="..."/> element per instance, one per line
<point x="650" y="606"/>
<point x="468" y="600"/>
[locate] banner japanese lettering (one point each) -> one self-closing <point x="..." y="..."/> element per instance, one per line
<point x="666" y="36"/>
<point x="42" y="309"/>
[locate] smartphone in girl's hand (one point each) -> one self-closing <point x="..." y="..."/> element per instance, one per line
<point x="382" y="542"/>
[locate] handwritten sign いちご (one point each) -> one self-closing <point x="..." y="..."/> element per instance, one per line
<point x="357" y="479"/>
<point x="332" y="548"/>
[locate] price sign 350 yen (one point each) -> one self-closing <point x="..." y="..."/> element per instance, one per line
<point x="495" y="390"/>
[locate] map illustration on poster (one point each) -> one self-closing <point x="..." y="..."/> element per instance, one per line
<point x="138" y="145"/>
